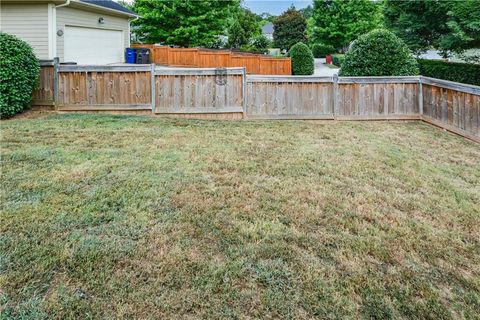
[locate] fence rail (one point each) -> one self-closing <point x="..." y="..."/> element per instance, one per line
<point x="202" y="58"/>
<point x="230" y="93"/>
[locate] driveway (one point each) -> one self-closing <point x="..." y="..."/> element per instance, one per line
<point x="321" y="70"/>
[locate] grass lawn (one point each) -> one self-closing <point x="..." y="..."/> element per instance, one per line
<point x="140" y="217"/>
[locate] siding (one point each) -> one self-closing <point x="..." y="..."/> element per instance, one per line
<point x="67" y="16"/>
<point x="29" y="23"/>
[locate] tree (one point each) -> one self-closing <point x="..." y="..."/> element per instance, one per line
<point x="419" y="23"/>
<point x="463" y="27"/>
<point x="307" y="11"/>
<point x="289" y="28"/>
<point x="339" y="22"/>
<point x="451" y="26"/>
<point x="244" y="28"/>
<point x="184" y="23"/>
<point x="379" y="53"/>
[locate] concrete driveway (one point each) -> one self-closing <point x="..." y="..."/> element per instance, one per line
<point x="321" y="70"/>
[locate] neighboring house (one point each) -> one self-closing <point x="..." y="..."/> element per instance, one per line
<point x="82" y="31"/>
<point x="267" y="30"/>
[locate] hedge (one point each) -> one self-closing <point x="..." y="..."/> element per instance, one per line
<point x="320" y="50"/>
<point x="452" y="71"/>
<point x="337" y="59"/>
<point x="379" y="53"/>
<point x="19" y="74"/>
<point x="302" y="59"/>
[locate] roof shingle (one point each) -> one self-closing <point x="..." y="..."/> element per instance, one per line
<point x="110" y="5"/>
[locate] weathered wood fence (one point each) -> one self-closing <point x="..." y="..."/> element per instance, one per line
<point x="230" y="93"/>
<point x="204" y="58"/>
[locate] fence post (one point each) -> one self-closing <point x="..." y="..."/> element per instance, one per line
<point x="420" y="96"/>
<point x="244" y="92"/>
<point x="152" y="86"/>
<point x="56" y="61"/>
<point x="335" y="95"/>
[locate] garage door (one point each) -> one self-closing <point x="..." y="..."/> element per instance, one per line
<point x="93" y="46"/>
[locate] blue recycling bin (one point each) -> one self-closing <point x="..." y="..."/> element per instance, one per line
<point x="130" y="55"/>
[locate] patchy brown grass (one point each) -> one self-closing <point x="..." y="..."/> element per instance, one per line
<point x="139" y="217"/>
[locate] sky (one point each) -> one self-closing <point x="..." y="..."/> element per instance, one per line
<point x="274" y="7"/>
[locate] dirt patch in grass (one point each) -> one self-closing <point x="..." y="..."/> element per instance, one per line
<point x="139" y="217"/>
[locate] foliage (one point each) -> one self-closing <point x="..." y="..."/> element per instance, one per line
<point x="302" y="59"/>
<point x="419" y="23"/>
<point x="379" y="53"/>
<point x="289" y="28"/>
<point x="260" y="44"/>
<point x="464" y="27"/>
<point x="337" y="59"/>
<point x="339" y="22"/>
<point x="320" y="50"/>
<point x="265" y="16"/>
<point x="19" y="74"/>
<point x="458" y="72"/>
<point x="186" y="23"/>
<point x="451" y="26"/>
<point x="138" y="217"/>
<point x="307" y="12"/>
<point x="244" y="27"/>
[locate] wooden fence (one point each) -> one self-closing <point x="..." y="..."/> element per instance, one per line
<point x="230" y="93"/>
<point x="104" y="87"/>
<point x="452" y="106"/>
<point x="197" y="91"/>
<point x="43" y="95"/>
<point x="203" y="58"/>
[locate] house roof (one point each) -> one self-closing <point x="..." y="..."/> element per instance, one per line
<point x="268" y="28"/>
<point x="110" y="5"/>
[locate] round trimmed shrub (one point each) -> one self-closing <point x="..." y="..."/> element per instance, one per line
<point x="302" y="59"/>
<point x="19" y="74"/>
<point x="379" y="53"/>
<point x="320" y="50"/>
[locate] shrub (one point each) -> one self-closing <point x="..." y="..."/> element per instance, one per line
<point x="320" y="50"/>
<point x="453" y="71"/>
<point x="379" y="53"/>
<point x="302" y="59"/>
<point x="337" y="59"/>
<point x="19" y="74"/>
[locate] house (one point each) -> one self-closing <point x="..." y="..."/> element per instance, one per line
<point x="267" y="31"/>
<point x="82" y="31"/>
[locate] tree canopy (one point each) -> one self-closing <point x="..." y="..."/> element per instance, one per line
<point x="245" y="26"/>
<point x="339" y="22"/>
<point x="419" y="23"/>
<point x="289" y="29"/>
<point x="445" y="25"/>
<point x="185" y="23"/>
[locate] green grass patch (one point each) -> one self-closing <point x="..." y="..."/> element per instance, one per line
<point x="140" y="217"/>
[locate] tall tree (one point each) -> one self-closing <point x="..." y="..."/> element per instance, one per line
<point x="244" y="27"/>
<point x="419" y="23"/>
<point x="451" y="26"/>
<point x="289" y="28"/>
<point x="307" y="11"/>
<point x="463" y="28"/>
<point x="339" y="22"/>
<point x="184" y="23"/>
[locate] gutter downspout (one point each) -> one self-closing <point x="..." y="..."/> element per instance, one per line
<point x="63" y="4"/>
<point x="54" y="22"/>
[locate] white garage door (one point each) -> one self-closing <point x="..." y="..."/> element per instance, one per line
<point x="93" y="46"/>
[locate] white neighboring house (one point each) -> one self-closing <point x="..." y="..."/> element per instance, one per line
<point x="267" y="31"/>
<point x="81" y="31"/>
